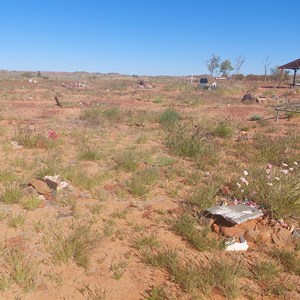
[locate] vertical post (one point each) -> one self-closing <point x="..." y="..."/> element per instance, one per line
<point x="277" y="116"/>
<point x="294" y="80"/>
<point x="280" y="77"/>
<point x="192" y="79"/>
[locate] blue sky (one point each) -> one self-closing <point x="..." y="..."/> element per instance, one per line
<point x="146" y="37"/>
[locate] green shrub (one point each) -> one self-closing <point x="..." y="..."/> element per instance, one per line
<point x="288" y="259"/>
<point x="200" y="239"/>
<point x="127" y="160"/>
<point x="97" y="115"/>
<point x="277" y="192"/>
<point x="169" y="117"/>
<point x="31" y="203"/>
<point x="276" y="150"/>
<point x="188" y="140"/>
<point x="204" y="197"/>
<point x="223" y="129"/>
<point x="140" y="181"/>
<point x="31" y="137"/>
<point x="89" y="152"/>
<point x="255" y="118"/>
<point x="11" y="194"/>
<point x="265" y="270"/>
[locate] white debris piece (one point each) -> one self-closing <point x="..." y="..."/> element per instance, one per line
<point x="237" y="246"/>
<point x="61" y="185"/>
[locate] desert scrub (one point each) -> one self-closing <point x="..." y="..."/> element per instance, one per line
<point x="119" y="269"/>
<point x="77" y="245"/>
<point x="190" y="277"/>
<point x="288" y="259"/>
<point x="95" y="293"/>
<point x="157" y="293"/>
<point x="204" y="197"/>
<point x="255" y="118"/>
<point x="198" y="238"/>
<point x="11" y="194"/>
<point x="276" y="189"/>
<point x="127" y="160"/>
<point x="16" y="221"/>
<point x="7" y="175"/>
<point x="81" y="178"/>
<point x="140" y="181"/>
<point x="265" y="270"/>
<point x="145" y="242"/>
<point x="23" y="270"/>
<point x="140" y="117"/>
<point x="97" y="115"/>
<point x="33" y="138"/>
<point x="89" y="152"/>
<point x="276" y="149"/>
<point x="169" y="117"/>
<point x="189" y="140"/>
<point x="224" y="129"/>
<point x="225" y="275"/>
<point x="31" y="202"/>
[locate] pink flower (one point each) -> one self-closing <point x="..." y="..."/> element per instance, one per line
<point x="52" y="135"/>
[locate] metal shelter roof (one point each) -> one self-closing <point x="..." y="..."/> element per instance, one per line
<point x="294" y="65"/>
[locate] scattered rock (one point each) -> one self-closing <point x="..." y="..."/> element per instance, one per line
<point x="42" y="287"/>
<point x="296" y="233"/>
<point x="30" y="191"/>
<point x="250" y="98"/>
<point x="264" y="236"/>
<point x="204" y="221"/>
<point x="251" y="236"/>
<point x="41" y="186"/>
<point x="51" y="183"/>
<point x="281" y="237"/>
<point x="16" y="146"/>
<point x="16" y="242"/>
<point x="236" y="230"/>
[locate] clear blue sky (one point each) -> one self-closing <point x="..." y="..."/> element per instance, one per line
<point x="144" y="37"/>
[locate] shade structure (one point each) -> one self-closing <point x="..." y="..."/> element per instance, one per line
<point x="293" y="65"/>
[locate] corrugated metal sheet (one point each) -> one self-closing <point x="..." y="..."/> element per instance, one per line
<point x="236" y="213"/>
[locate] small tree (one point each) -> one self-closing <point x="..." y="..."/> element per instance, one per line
<point x="213" y="63"/>
<point x="275" y="73"/>
<point x="239" y="61"/>
<point x="266" y="63"/>
<point x="226" y="67"/>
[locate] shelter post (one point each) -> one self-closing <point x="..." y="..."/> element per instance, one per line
<point x="280" y="77"/>
<point x="294" y="79"/>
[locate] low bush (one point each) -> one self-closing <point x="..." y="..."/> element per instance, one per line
<point x="169" y="117"/>
<point x="200" y="239"/>
<point x="189" y="140"/>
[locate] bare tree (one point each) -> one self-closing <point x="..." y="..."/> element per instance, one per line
<point x="239" y="61"/>
<point x="266" y="63"/>
<point x="213" y="63"/>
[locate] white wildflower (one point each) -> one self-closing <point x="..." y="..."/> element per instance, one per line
<point x="246" y="173"/>
<point x="284" y="171"/>
<point x="243" y="180"/>
<point x="295" y="163"/>
<point x="238" y="184"/>
<point x="285" y="165"/>
<point x="277" y="178"/>
<point x="269" y="183"/>
<point x="291" y="169"/>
